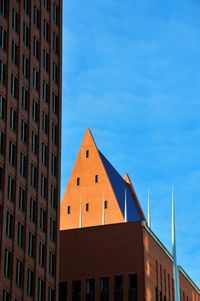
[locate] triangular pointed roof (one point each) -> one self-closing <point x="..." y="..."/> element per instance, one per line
<point x="97" y="177"/>
<point x="88" y="139"/>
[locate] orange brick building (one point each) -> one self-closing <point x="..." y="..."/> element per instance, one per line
<point x="107" y="251"/>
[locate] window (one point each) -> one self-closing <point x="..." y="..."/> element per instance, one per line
<point x="41" y="290"/>
<point x="157" y="279"/>
<point x="118" y="288"/>
<point x="24" y="131"/>
<point x="55" y="43"/>
<point x="46" y="4"/>
<point x="3" y="39"/>
<point x="45" y="122"/>
<point x="87" y="153"/>
<point x="52" y="229"/>
<point x="45" y="91"/>
<point x="36" y="17"/>
<point x="36" y="79"/>
<point x="9" y="225"/>
<point x="165" y="286"/>
<point x="51" y="294"/>
<point x="132" y="287"/>
<point x="104" y="289"/>
<point x="76" y="290"/>
<point x="90" y="290"/>
<point x="14" y="86"/>
<point x="19" y="273"/>
<point x="36" y="48"/>
<point x="23" y="165"/>
<point x="63" y="291"/>
<point x="12" y="153"/>
<point x="169" y="289"/>
<point x="22" y="195"/>
<point x="35" y="111"/>
<point x="2" y="143"/>
<point x="156" y="290"/>
<point x="34" y="142"/>
<point x="52" y="264"/>
<point x="161" y="282"/>
<point x="13" y="119"/>
<point x="25" y="67"/>
<point x="33" y="176"/>
<point x="96" y="178"/>
<point x="105" y="204"/>
<point x="45" y="60"/>
<point x="46" y="30"/>
<point x="53" y="165"/>
<point x="24" y="99"/>
<point x="68" y="209"/>
<point x="55" y="13"/>
<point x="2" y="107"/>
<point x="55" y="73"/>
<point x="26" y="34"/>
<point x="14" y="53"/>
<point x="2" y="73"/>
<point x="31" y="245"/>
<point x="20" y="238"/>
<point x="43" y="186"/>
<point x="33" y="208"/>
<point x="55" y="103"/>
<point x="43" y="220"/>
<point x="4" y="8"/>
<point x="30" y="283"/>
<point x="53" y="196"/>
<point x="27" y="6"/>
<point x="54" y="133"/>
<point x="44" y="154"/>
<point x="1" y="178"/>
<point x="42" y="254"/>
<point x="15" y="20"/>
<point x="8" y="264"/>
<point x="87" y="207"/>
<point x="78" y="181"/>
<point x="5" y="296"/>
<point x="11" y="189"/>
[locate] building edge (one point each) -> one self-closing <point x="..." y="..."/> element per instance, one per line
<point x="161" y="245"/>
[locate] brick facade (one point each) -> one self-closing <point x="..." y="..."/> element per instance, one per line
<point x="122" y="249"/>
<point x="30" y="86"/>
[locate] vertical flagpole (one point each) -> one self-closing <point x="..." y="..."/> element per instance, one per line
<point x="80" y="215"/>
<point x="149" y="210"/>
<point x="125" y="208"/>
<point x="175" y="267"/>
<point x="103" y="211"/>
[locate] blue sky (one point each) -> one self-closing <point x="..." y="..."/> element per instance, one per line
<point x="131" y="73"/>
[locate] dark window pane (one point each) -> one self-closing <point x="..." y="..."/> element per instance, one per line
<point x="132" y="287"/>
<point x="62" y="291"/>
<point x="90" y="290"/>
<point x="104" y="289"/>
<point x="118" y="293"/>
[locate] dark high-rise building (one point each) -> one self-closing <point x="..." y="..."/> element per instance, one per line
<point x="30" y="125"/>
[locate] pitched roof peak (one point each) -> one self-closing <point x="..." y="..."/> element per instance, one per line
<point x="88" y="138"/>
<point x="127" y="179"/>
